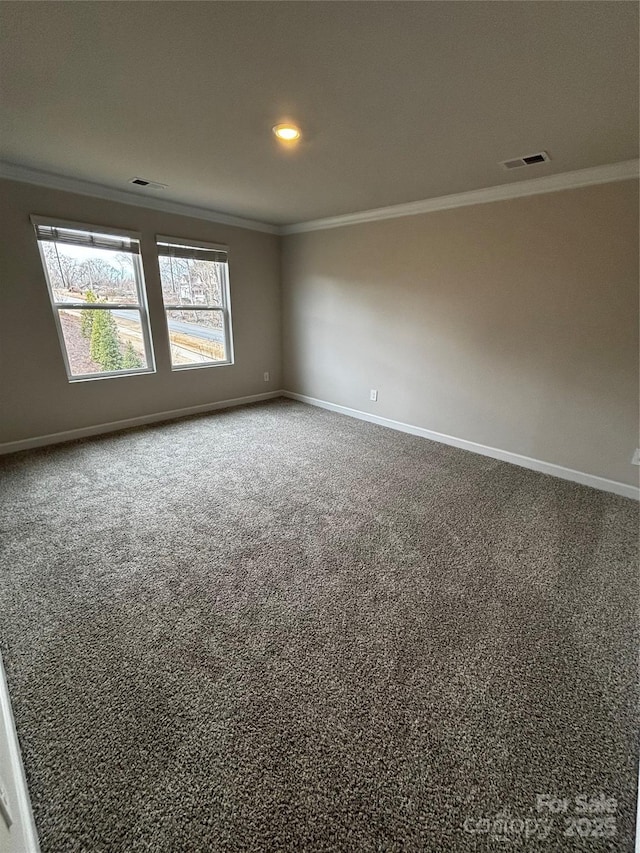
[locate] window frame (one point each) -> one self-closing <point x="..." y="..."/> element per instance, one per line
<point x="224" y="308"/>
<point x="141" y="306"/>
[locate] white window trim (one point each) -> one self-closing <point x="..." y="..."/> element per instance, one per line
<point x="141" y="307"/>
<point x="225" y="308"/>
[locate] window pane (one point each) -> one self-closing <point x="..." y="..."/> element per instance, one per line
<point x="197" y="337"/>
<point x="189" y="282"/>
<point x="101" y="341"/>
<point x="78" y="273"/>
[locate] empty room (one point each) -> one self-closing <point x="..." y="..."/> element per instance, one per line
<point x="319" y="426"/>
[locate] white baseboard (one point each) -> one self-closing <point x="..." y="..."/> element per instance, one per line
<point x="539" y="465"/>
<point x="115" y="426"/>
<point x="23" y="837"/>
<point x="551" y="468"/>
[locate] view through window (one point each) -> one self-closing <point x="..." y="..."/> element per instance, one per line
<point x="195" y="284"/>
<point x="97" y="293"/>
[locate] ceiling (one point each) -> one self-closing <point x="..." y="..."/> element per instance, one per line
<point x="398" y="101"/>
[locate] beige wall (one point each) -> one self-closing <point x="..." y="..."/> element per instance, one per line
<point x="512" y="324"/>
<point x="35" y="396"/>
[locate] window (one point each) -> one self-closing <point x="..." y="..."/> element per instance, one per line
<point x="195" y="289"/>
<point x="97" y="293"/>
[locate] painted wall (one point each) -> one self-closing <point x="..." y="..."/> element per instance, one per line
<point x="512" y="324"/>
<point x="35" y="396"/>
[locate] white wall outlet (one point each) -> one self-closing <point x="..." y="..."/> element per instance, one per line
<point x="266" y="376"/>
<point x="373" y="395"/>
<point x="635" y="459"/>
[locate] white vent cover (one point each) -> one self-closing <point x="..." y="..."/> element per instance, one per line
<point x="527" y="160"/>
<point x="152" y="185"/>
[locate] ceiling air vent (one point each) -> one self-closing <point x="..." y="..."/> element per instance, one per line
<point x="528" y="160"/>
<point x="153" y="185"/>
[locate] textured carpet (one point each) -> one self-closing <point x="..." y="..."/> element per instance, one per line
<point x="279" y="629"/>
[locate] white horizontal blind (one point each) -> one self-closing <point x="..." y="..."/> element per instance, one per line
<point x="71" y="236"/>
<point x="192" y="253"/>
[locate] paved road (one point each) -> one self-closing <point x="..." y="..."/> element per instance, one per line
<point x="195" y="331"/>
<point x="179" y="326"/>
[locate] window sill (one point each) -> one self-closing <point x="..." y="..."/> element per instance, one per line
<point x="201" y="365"/>
<point x="118" y="374"/>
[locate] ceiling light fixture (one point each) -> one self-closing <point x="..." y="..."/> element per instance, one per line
<point x="287" y="132"/>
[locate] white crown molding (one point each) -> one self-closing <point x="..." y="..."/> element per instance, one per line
<point x="13" y="172"/>
<point x="535" y="186"/>
<point x="552" y="183"/>
<point x="539" y="465"/>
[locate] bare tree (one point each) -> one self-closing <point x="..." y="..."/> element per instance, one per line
<point x="64" y="272"/>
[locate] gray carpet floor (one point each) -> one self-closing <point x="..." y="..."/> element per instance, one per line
<point x="279" y="629"/>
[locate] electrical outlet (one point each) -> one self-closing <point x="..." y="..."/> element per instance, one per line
<point x="266" y="376"/>
<point x="373" y="395"/>
<point x="635" y="460"/>
<point x="4" y="805"/>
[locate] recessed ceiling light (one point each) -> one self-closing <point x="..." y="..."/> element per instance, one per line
<point x="287" y="132"/>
